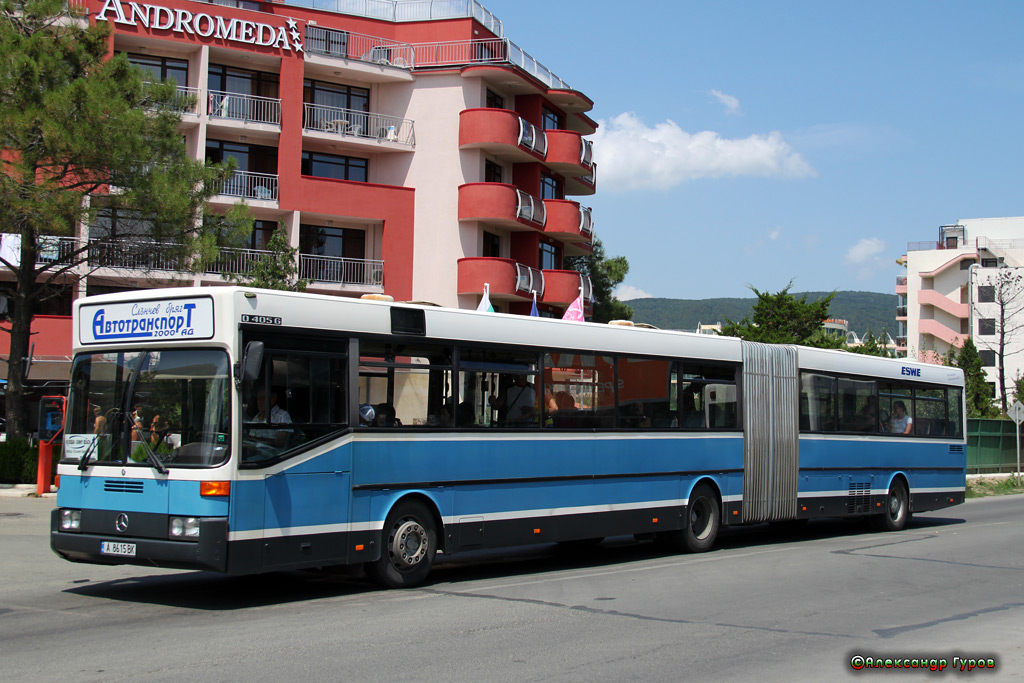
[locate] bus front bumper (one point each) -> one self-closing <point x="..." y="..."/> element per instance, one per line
<point x="209" y="552"/>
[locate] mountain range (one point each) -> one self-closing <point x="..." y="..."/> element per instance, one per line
<point x="863" y="310"/>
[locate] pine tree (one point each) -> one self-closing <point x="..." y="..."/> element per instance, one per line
<point x="74" y="123"/>
<point x="605" y="275"/>
<point x="275" y="270"/>
<point x="781" y="318"/>
<point x="979" y="393"/>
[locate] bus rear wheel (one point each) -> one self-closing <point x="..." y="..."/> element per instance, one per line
<point x="897" y="509"/>
<point x="408" y="546"/>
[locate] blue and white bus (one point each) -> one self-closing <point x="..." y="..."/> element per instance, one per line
<point x="243" y="431"/>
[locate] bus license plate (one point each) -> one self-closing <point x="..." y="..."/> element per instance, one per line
<point x="114" y="548"/>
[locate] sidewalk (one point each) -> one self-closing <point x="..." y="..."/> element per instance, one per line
<point x="22" y="491"/>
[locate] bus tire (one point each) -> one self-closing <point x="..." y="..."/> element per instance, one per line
<point x="408" y="546"/>
<point x="897" y="509"/>
<point x="700" y="524"/>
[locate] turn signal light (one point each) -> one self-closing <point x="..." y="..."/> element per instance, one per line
<point x="214" y="488"/>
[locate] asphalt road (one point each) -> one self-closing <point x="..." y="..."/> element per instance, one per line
<point x="766" y="604"/>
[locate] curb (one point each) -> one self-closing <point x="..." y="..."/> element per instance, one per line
<point x="23" y="491"/>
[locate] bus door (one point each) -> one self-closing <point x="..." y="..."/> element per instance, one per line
<point x="770" y="432"/>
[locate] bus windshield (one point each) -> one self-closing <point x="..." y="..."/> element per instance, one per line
<point x="150" y="408"/>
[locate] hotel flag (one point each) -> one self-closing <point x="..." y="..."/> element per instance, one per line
<point x="485" y="301"/>
<point x="533" y="311"/>
<point x="575" y="310"/>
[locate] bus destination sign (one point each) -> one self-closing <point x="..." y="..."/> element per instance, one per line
<point x="157" y="320"/>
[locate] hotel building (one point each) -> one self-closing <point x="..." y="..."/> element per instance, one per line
<point x="949" y="293"/>
<point x="408" y="148"/>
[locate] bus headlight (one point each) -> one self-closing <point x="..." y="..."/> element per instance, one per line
<point x="184" y="528"/>
<point x="70" y="520"/>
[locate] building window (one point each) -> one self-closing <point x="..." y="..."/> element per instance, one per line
<point x="119" y="224"/>
<point x="262" y="231"/>
<point x="492" y="172"/>
<point x="492" y="245"/>
<point x="322" y="240"/>
<point x="967" y="263"/>
<point x="334" y="166"/>
<point x="493" y="100"/>
<point x="988" y="358"/>
<point x="550" y="257"/>
<point x="986" y="326"/>
<point x="243" y="81"/>
<point x="249" y="158"/>
<point x="336" y="95"/>
<point x="551" y="187"/>
<point x="552" y="120"/>
<point x="986" y="294"/>
<point x="991" y="262"/>
<point x="162" y="68"/>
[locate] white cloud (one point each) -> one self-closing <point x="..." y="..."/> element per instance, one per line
<point x="865" y="252"/>
<point x="627" y="292"/>
<point x="774" y="234"/>
<point x="634" y="156"/>
<point x="731" y="104"/>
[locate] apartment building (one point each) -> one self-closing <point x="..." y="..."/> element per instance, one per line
<point x="950" y="293"/>
<point x="408" y="148"/>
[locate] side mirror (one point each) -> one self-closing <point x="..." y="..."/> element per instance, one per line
<point x="248" y="369"/>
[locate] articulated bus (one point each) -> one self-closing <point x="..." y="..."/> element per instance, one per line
<point x="243" y="430"/>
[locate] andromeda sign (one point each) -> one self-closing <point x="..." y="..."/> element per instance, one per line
<point x="158" y="18"/>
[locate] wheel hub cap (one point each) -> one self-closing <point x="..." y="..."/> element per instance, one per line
<point x="409" y="544"/>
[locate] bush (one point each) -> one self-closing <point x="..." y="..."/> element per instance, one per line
<point x="18" y="462"/>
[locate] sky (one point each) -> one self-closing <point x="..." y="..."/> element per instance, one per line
<point x="750" y="144"/>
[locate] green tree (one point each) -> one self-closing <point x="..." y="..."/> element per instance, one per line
<point x="979" y="393"/>
<point x="605" y="275"/>
<point x="872" y="345"/>
<point x="74" y="124"/>
<point x="781" y="318"/>
<point x="275" y="270"/>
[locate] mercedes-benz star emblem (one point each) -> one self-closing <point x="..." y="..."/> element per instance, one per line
<point x="121" y="523"/>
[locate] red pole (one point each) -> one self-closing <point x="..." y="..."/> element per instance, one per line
<point x="45" y="468"/>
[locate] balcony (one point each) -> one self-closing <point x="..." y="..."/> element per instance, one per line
<point x="940" y="331"/>
<point x="337" y="123"/>
<point x="901" y="285"/>
<point x="369" y="58"/>
<point x="486" y="51"/>
<point x="501" y="204"/>
<point x="502" y="133"/>
<point x="244" y="108"/>
<point x="507" y="280"/>
<point x="582" y="185"/>
<point x="249" y="185"/>
<point x="342" y="271"/>
<point x="564" y="286"/>
<point x="137" y="255"/>
<point x="569" y="153"/>
<point x="901" y="312"/>
<point x="568" y="221"/>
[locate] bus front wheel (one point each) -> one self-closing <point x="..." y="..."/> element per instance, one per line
<point x="700" y="525"/>
<point x="408" y="546"/>
<point x="897" y="509"/>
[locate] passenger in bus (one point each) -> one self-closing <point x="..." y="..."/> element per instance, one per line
<point x="386" y="416"/>
<point x="516" y="405"/>
<point x="273" y="414"/>
<point x="867" y="416"/>
<point x="157" y="441"/>
<point x="692" y="418"/>
<point x="901" y="422"/>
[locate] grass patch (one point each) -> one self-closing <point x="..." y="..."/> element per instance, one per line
<point x="996" y="486"/>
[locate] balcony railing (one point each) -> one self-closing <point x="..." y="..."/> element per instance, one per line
<point x="134" y="254"/>
<point x="532" y="138"/>
<point x="56" y="249"/>
<point x="358" y="124"/>
<point x="360" y="47"/>
<point x="485" y="51"/>
<point x="901" y="311"/>
<point x="251" y="186"/>
<point x="586" y="152"/>
<point x="406" y="10"/>
<point x="530" y="208"/>
<point x="591" y="179"/>
<point x="924" y="246"/>
<point x="346" y="271"/>
<point x="588" y="288"/>
<point x="239" y="107"/>
<point x="586" y="222"/>
<point x="901" y="342"/>
<point x="529" y="280"/>
<point x="901" y="281"/>
<point x="186" y="100"/>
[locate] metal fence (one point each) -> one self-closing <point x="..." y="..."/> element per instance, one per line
<point x="135" y="254"/>
<point x="530" y="208"/>
<point x="408" y="10"/>
<point x="347" y="271"/>
<point x="360" y="47"/>
<point x="529" y="280"/>
<point x="586" y="222"/>
<point x="361" y="124"/>
<point x="240" y="107"/>
<point x="251" y="186"/>
<point x="991" y="446"/>
<point x="485" y="51"/>
<point x="532" y="137"/>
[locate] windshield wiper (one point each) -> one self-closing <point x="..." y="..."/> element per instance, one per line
<point x="84" y="462"/>
<point x="154" y="459"/>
